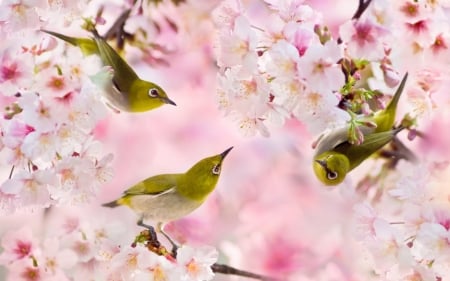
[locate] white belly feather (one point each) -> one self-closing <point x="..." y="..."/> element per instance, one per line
<point x="164" y="207"/>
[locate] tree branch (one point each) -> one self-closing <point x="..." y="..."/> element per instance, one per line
<point x="361" y="8"/>
<point x="116" y="30"/>
<point x="150" y="241"/>
<point x="226" y="269"/>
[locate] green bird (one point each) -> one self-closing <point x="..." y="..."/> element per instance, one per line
<point x="335" y="156"/>
<point x="168" y="197"/>
<point x="128" y="92"/>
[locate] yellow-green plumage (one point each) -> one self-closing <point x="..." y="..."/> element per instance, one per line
<point x="168" y="197"/>
<point x="385" y="118"/>
<point x="128" y="91"/>
<point x="335" y="156"/>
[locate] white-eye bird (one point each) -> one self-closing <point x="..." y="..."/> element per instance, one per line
<point x="335" y="156"/>
<point x="168" y="197"/>
<point x="128" y="92"/>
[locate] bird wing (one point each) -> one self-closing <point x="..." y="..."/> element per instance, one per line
<point x="124" y="75"/>
<point x="337" y="137"/>
<point x="154" y="185"/>
<point x="372" y="143"/>
<point x="87" y="46"/>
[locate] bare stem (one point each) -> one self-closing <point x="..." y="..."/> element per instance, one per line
<point x="149" y="239"/>
<point x="116" y="30"/>
<point x="362" y="6"/>
<point x="226" y="269"/>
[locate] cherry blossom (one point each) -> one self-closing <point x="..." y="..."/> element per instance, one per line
<point x="286" y="70"/>
<point x="196" y="262"/>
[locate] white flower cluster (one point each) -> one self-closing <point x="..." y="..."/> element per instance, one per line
<point x="52" y="96"/>
<point x="75" y="248"/>
<point x="407" y="232"/>
<point x="51" y="109"/>
<point x="272" y="70"/>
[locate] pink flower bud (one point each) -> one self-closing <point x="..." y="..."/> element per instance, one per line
<point x="391" y="78"/>
<point x="412" y="134"/>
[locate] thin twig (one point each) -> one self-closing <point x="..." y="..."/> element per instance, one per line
<point x="226" y="269"/>
<point x="362" y="6"/>
<point x="151" y="242"/>
<point x="11" y="172"/>
<point x="117" y="29"/>
<point x="117" y="25"/>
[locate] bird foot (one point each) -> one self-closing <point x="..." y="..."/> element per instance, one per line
<point x="174" y="251"/>
<point x="146" y="238"/>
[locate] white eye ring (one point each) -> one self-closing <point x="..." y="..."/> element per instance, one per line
<point x="216" y="169"/>
<point x="153" y="93"/>
<point x="331" y="175"/>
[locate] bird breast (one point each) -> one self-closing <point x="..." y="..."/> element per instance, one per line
<point x="164" y="207"/>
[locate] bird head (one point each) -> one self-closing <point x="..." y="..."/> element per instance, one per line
<point x="149" y="96"/>
<point x="331" y="167"/>
<point x="202" y="178"/>
<point x="211" y="166"/>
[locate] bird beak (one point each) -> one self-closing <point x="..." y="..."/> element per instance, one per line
<point x="223" y="154"/>
<point x="168" y="101"/>
<point x="322" y="163"/>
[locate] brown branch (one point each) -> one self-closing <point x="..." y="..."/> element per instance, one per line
<point x="149" y="239"/>
<point x="226" y="269"/>
<point x="117" y="25"/>
<point x="117" y="29"/>
<point x="362" y="6"/>
<point x="11" y="172"/>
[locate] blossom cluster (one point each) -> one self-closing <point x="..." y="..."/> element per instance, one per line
<point x="283" y="61"/>
<point x="75" y="248"/>
<point x="277" y="68"/>
<point x="52" y="96"/>
<point x="278" y="61"/>
<point x="273" y="64"/>
<point x="410" y="239"/>
<point x="52" y="101"/>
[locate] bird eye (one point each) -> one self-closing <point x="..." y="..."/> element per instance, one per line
<point x="332" y="175"/>
<point x="216" y="169"/>
<point x="153" y="93"/>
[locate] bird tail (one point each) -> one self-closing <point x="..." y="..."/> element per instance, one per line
<point x="71" y="40"/>
<point x="393" y="103"/>
<point x="111" y="204"/>
<point x="87" y="45"/>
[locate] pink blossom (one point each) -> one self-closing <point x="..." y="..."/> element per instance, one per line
<point x="30" y="189"/>
<point x="363" y="39"/>
<point x="411" y="187"/>
<point x="239" y="47"/>
<point x="15" y="74"/>
<point x="365" y="216"/>
<point x="281" y="61"/>
<point x="302" y="40"/>
<point x="388" y="248"/>
<point x="19" y="14"/>
<point x="17" y="245"/>
<point x="15" y="133"/>
<point x="38" y="112"/>
<point x="282" y="79"/>
<point x="57" y="259"/>
<point x="226" y="13"/>
<point x="293" y="10"/>
<point x="196" y="262"/>
<point x="27" y="272"/>
<point x="432" y="242"/>
<point x="320" y="68"/>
